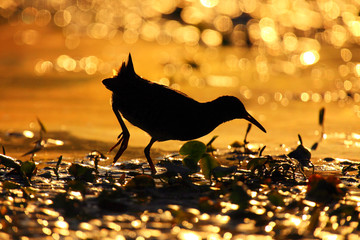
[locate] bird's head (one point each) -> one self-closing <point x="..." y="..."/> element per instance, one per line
<point x="233" y="108"/>
<point x="126" y="72"/>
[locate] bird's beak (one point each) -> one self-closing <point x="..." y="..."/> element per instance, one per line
<point x="107" y="82"/>
<point x="253" y="121"/>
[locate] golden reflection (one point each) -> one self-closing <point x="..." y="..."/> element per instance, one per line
<point x="86" y="226"/>
<point x="268" y="34"/>
<point x="305" y="97"/>
<point x="175" y="230"/>
<point x="43" y="17"/>
<point x="268" y="228"/>
<point x="46" y="231"/>
<point x="61" y="224"/>
<point x="343" y="70"/>
<point x="28" y="134"/>
<point x="192" y="15"/>
<point x="248" y="6"/>
<point x="62" y="18"/>
<point x="223" y="23"/>
<point x="29" y="37"/>
<point x="290" y="41"/>
<point x="296" y="221"/>
<point x="309" y="57"/>
<point x="354" y="27"/>
<point x="222" y="219"/>
<point x="221" y="81"/>
<point x="8" y="218"/>
<point x="211" y="37"/>
<point x="188" y="235"/>
<point x="209" y="3"/>
<point x="346" y="54"/>
<point x="120" y="237"/>
<point x="357" y="69"/>
<point x="339" y="35"/>
<point x="227" y="236"/>
<point x="136" y="223"/>
<point x="81" y="235"/>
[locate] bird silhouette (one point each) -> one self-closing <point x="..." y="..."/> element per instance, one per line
<point x="165" y="113"/>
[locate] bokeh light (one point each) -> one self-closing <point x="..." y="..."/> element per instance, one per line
<point x="209" y="3"/>
<point x="309" y="57"/>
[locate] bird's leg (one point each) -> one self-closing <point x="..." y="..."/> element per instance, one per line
<point x="123" y="137"/>
<point x="120" y="139"/>
<point x="147" y="155"/>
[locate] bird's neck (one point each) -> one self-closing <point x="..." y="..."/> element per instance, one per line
<point x="217" y="113"/>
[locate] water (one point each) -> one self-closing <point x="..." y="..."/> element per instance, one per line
<point x="76" y="102"/>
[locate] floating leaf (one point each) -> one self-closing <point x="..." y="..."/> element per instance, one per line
<point x="174" y="169"/>
<point x="45" y="175"/>
<point x="329" y="159"/>
<point x="314" y="220"/>
<point x="195" y="149"/>
<point x="324" y="189"/>
<point x="208" y="205"/>
<point x="113" y="200"/>
<point x="70" y="207"/>
<point x="11" y="185"/>
<point x="42" y="127"/>
<point x="209" y="147"/>
<point x="140" y="182"/>
<point x="240" y="195"/>
<point x="28" y="168"/>
<point x="39" y="145"/>
<point x="256" y="163"/>
<point x="207" y="164"/>
<point x="95" y="154"/>
<point x="237" y="144"/>
<point x="82" y="172"/>
<point x="58" y="162"/>
<point x="276" y="198"/>
<point x="56" y="169"/>
<point x="321" y="116"/>
<point x="262" y="150"/>
<point x="314" y="146"/>
<point x="220" y="172"/>
<point x="300" y="139"/>
<point x="191" y="163"/>
<point x="212" y="140"/>
<point x="302" y="155"/>
<point x="77" y="186"/>
<point x="9" y="162"/>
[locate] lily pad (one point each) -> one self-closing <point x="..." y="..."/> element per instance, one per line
<point x="28" y="168"/>
<point x="276" y="198"/>
<point x="9" y="162"/>
<point x="191" y="163"/>
<point x="240" y="195"/>
<point x="302" y="155"/>
<point x="207" y="164"/>
<point x="82" y="172"/>
<point x="195" y="149"/>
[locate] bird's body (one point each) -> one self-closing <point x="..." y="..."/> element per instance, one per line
<point x="164" y="113"/>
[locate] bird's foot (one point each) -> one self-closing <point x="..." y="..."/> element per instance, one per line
<point x="120" y="139"/>
<point x="123" y="142"/>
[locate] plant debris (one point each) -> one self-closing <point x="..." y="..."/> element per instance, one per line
<point x="282" y="196"/>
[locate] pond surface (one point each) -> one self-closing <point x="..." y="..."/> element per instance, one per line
<point x="78" y="103"/>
